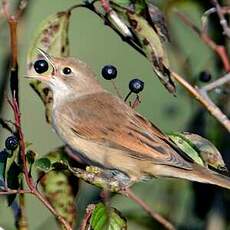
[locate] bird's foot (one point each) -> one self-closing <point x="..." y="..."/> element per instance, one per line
<point x="102" y="178"/>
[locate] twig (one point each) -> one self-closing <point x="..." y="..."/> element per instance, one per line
<point x="215" y="84"/>
<point x="22" y="221"/>
<point x="203" y="98"/>
<point x="136" y="102"/>
<point x="12" y="191"/>
<point x="4" y="125"/>
<point x="86" y="217"/>
<point x="13" y="21"/>
<point x="219" y="49"/>
<point x="28" y="179"/>
<point x="223" y="21"/>
<point x="116" y="89"/>
<point x="128" y="193"/>
<point x="106" y="6"/>
<point x="21" y="7"/>
<point x="122" y="31"/>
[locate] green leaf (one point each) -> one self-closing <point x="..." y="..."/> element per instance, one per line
<point x="150" y="34"/>
<point x="52" y="37"/>
<point x="187" y="147"/>
<point x="153" y="48"/>
<point x="104" y="218"/>
<point x="43" y="164"/>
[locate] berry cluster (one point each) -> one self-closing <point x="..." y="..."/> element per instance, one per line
<point x="109" y="72"/>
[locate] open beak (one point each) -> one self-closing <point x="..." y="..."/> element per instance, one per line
<point x="38" y="77"/>
<point x="48" y="58"/>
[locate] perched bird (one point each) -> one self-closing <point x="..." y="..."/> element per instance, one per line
<point x="104" y="131"/>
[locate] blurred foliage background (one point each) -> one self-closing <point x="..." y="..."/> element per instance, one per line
<point x="189" y="206"/>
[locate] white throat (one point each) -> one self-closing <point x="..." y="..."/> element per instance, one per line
<point x="60" y="91"/>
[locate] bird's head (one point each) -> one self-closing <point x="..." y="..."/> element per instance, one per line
<point x="65" y="76"/>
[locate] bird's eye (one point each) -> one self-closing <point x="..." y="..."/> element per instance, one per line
<point x="67" y="71"/>
<point x="41" y="66"/>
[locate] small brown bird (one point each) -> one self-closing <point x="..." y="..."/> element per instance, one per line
<point x="106" y="132"/>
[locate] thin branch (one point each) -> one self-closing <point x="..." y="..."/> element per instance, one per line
<point x="106" y="6"/>
<point x="22" y="222"/>
<point x="203" y="98"/>
<point x="223" y="21"/>
<point x="116" y="89"/>
<point x="218" y="49"/>
<point x="21" y="7"/>
<point x="128" y="193"/>
<point x="4" y="125"/>
<point x="87" y="215"/>
<point x="215" y="84"/>
<point x="207" y="13"/>
<point x="13" y="21"/>
<point x="28" y="179"/>
<point x="12" y="191"/>
<point x="123" y="32"/>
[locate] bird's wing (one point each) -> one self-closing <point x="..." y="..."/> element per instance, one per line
<point x="107" y="120"/>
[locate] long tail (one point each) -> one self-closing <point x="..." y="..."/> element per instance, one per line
<point x="198" y="173"/>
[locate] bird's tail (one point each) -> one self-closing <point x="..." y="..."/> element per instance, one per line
<point x="197" y="173"/>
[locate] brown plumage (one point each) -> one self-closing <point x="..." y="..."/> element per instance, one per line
<point x="107" y="132"/>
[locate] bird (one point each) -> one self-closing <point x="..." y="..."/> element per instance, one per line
<point x="106" y="132"/>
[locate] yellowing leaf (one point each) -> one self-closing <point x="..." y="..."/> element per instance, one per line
<point x="52" y="37"/>
<point x="153" y="48"/>
<point x="208" y="151"/>
<point x="60" y="187"/>
<point x="186" y="147"/>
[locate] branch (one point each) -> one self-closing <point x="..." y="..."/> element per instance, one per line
<point x="223" y="21"/>
<point x="28" y="178"/>
<point x="87" y="215"/>
<point x="202" y="97"/>
<point x="128" y="193"/>
<point x="12" y="191"/>
<point x="14" y="103"/>
<point x="4" y="125"/>
<point x="215" y="84"/>
<point x="218" y="49"/>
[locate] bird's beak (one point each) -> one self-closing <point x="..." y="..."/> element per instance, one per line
<point x="38" y="77"/>
<point x="48" y="58"/>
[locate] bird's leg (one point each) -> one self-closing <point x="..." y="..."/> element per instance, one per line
<point x="98" y="177"/>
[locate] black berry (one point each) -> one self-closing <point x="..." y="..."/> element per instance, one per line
<point x="11" y="143"/>
<point x="205" y="76"/>
<point x="41" y="66"/>
<point x="109" y="72"/>
<point x="67" y="71"/>
<point x="136" y="86"/>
